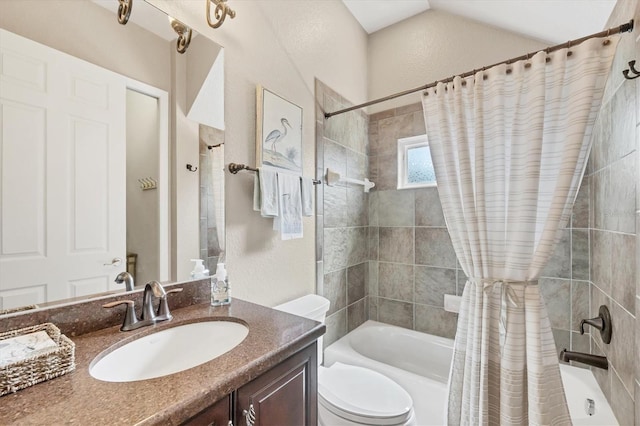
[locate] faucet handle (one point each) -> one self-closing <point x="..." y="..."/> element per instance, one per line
<point x="596" y="322"/>
<point x="602" y="322"/>
<point x="163" y="306"/>
<point x="130" y="319"/>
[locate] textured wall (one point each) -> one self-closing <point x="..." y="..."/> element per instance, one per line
<point x="281" y="45"/>
<point x="435" y="45"/>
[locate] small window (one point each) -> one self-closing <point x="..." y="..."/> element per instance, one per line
<point x="415" y="167"/>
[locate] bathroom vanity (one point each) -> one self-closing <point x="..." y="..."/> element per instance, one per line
<point x="284" y="395"/>
<point x="270" y="375"/>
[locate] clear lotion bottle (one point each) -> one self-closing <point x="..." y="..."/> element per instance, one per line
<point x="220" y="291"/>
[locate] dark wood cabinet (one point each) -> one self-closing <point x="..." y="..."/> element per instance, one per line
<point x="219" y="414"/>
<point x="285" y="395"/>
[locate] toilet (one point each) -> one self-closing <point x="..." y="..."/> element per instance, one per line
<point x="348" y="394"/>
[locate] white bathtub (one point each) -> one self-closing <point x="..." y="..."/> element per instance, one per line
<point x="420" y="363"/>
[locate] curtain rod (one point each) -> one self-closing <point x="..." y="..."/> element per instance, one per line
<point x="628" y="27"/>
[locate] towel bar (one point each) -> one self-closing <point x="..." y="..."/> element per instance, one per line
<point x="234" y="168"/>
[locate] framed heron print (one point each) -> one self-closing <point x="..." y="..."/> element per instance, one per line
<point x="278" y="132"/>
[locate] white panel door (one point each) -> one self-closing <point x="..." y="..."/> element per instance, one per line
<point x="62" y="174"/>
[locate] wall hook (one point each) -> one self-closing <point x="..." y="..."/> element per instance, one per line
<point x="192" y="168"/>
<point x="632" y="65"/>
<point x="148" y="183"/>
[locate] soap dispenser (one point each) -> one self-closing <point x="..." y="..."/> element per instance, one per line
<point x="220" y="291"/>
<point x="199" y="271"/>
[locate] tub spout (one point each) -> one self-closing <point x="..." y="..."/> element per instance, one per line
<point x="589" y="359"/>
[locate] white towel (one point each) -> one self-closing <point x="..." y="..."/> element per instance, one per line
<point x="256" y="192"/>
<point x="289" y="222"/>
<point x="306" y="188"/>
<point x="20" y="347"/>
<point x="265" y="193"/>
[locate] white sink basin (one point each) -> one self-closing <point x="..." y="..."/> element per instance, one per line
<point x="168" y="351"/>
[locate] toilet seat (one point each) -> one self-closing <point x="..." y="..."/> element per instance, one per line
<point x="363" y="396"/>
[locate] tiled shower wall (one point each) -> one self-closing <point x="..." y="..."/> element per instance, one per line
<point x="209" y="246"/>
<point x="414" y="258"/>
<point x="412" y="263"/>
<point x="594" y="262"/>
<point x="612" y="173"/>
<point x="341" y="215"/>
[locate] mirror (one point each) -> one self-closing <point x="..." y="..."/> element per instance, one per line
<point x="95" y="117"/>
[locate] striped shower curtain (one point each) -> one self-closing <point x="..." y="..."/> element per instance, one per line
<point x="509" y="146"/>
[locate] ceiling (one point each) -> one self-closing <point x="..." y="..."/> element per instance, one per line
<point x="553" y="21"/>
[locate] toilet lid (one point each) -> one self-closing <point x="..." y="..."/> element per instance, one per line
<point x="363" y="395"/>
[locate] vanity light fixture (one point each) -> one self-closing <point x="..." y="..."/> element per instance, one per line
<point x="220" y="12"/>
<point x="124" y="11"/>
<point x="184" y="34"/>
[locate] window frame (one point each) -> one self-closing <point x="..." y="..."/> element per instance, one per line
<point x="404" y="145"/>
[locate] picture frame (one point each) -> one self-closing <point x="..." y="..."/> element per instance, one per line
<point x="278" y="132"/>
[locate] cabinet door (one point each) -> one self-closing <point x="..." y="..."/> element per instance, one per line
<point x="219" y="414"/>
<point x="286" y="395"/>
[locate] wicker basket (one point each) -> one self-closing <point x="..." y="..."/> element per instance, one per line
<point x="18" y="309"/>
<point x="38" y="367"/>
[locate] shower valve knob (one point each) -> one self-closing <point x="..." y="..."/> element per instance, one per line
<point x="602" y="322"/>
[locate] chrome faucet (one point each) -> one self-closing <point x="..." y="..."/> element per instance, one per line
<point x="584" y="358"/>
<point x="152" y="288"/>
<point x="147" y="316"/>
<point x="127" y="279"/>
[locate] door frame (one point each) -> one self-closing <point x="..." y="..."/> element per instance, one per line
<point x="164" y="241"/>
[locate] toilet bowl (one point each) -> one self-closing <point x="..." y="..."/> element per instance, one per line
<point x="351" y="395"/>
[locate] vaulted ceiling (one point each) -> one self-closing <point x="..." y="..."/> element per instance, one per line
<point x="553" y="21"/>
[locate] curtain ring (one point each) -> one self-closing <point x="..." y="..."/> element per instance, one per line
<point x="569" y="52"/>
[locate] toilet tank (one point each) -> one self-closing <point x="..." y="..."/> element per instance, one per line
<point x="310" y="306"/>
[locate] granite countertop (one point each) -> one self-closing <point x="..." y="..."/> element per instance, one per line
<point x="79" y="398"/>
